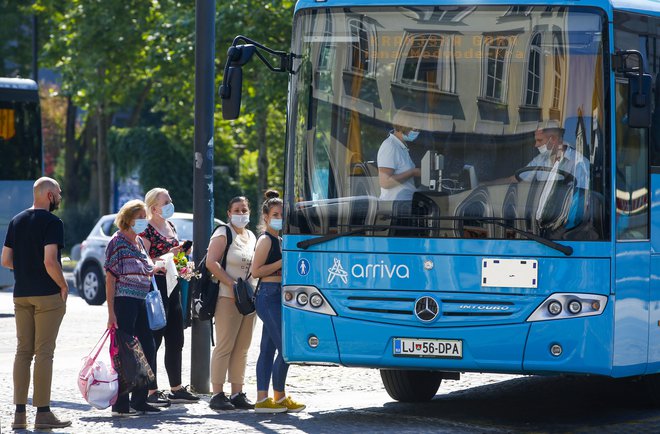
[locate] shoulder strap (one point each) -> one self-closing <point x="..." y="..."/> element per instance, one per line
<point x="229" y="237"/>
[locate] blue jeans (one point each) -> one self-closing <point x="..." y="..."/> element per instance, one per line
<point x="269" y="309"/>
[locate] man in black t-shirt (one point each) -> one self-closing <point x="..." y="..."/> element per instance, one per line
<point x="32" y="249"/>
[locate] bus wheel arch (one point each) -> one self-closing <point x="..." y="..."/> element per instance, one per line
<point x="411" y="385"/>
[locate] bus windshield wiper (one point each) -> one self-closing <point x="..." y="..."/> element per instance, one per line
<point x="329" y="237"/>
<point x="566" y="250"/>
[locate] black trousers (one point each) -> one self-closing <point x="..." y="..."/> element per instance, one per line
<point x="131" y="316"/>
<point x="172" y="333"/>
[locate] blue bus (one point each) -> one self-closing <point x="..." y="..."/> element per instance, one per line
<point x="470" y="187"/>
<point x="20" y="151"/>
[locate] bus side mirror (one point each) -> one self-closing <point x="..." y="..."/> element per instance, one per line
<point x="232" y="81"/>
<point x="231" y="93"/>
<point x="640" y="100"/>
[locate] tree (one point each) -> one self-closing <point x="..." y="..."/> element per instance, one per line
<point x="100" y="50"/>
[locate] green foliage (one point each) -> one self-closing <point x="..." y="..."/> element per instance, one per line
<point x="79" y="219"/>
<point x="140" y="55"/>
<point x="159" y="161"/>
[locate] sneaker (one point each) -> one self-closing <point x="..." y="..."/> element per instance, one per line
<point x="241" y="401"/>
<point x="128" y="413"/>
<point x="47" y="420"/>
<point x="219" y="401"/>
<point x="146" y="409"/>
<point x="158" y="399"/>
<point x="20" y="421"/>
<point x="291" y="405"/>
<point x="269" y="406"/>
<point x="182" y="395"/>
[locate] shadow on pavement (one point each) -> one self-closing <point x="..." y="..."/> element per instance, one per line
<point x="549" y="403"/>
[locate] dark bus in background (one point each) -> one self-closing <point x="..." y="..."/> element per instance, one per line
<point x="21" y="152"/>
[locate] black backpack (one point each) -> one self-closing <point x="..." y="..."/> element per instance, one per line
<point x="204" y="290"/>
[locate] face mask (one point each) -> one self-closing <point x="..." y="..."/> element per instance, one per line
<point x="542" y="149"/>
<point x="411" y="136"/>
<point x="276" y="224"/>
<point x="240" y="220"/>
<point x="140" y="225"/>
<point x="167" y="211"/>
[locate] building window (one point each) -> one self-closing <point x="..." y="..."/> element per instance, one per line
<point x="428" y="62"/>
<point x="557" y="71"/>
<point x="496" y="50"/>
<point x="533" y="88"/>
<point x="362" y="59"/>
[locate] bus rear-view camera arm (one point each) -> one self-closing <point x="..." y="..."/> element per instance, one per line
<point x="232" y="80"/>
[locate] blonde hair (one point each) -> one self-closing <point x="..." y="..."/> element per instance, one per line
<point x="151" y="198"/>
<point x="127" y="213"/>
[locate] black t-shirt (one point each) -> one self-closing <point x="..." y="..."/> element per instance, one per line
<point x="27" y="235"/>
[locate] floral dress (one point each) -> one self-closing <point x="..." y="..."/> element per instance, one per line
<point x="159" y="243"/>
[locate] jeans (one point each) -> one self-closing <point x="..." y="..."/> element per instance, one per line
<point x="172" y="332"/>
<point x="131" y="316"/>
<point x="269" y="309"/>
<point x="38" y="321"/>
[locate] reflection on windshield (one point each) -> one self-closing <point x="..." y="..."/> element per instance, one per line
<point x="407" y="117"/>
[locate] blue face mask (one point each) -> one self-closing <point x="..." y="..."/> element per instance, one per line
<point x="167" y="211"/>
<point x="411" y="136"/>
<point x="276" y="224"/>
<point x="140" y="225"/>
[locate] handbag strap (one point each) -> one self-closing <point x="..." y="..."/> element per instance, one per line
<point x="100" y="344"/>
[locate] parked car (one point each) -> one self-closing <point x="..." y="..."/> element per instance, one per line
<point x="89" y="272"/>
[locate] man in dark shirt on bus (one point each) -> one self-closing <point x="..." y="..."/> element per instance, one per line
<point x="32" y="249"/>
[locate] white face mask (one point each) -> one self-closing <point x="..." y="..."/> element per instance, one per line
<point x="544" y="148"/>
<point x="240" y="220"/>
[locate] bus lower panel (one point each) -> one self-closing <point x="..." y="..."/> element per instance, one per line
<point x="295" y="346"/>
<point x="586" y="345"/>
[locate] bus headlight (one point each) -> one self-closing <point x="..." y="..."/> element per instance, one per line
<point x="308" y="298"/>
<point x="574" y="307"/>
<point x="302" y="298"/>
<point x="569" y="305"/>
<point x="554" y="307"/>
<point x="316" y="300"/>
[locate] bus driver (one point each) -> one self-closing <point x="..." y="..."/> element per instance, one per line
<point x="396" y="169"/>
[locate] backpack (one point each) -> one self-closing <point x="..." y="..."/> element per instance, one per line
<point x="204" y="290"/>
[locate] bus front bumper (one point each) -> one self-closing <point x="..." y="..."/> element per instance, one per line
<point x="525" y="348"/>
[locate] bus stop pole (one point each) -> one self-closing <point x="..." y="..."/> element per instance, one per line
<point x="203" y="177"/>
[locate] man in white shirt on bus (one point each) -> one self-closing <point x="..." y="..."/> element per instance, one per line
<point x="396" y="170"/>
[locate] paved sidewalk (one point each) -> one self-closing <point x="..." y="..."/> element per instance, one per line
<point x="332" y="394"/>
<point x="82" y="327"/>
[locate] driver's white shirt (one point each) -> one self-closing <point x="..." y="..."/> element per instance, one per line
<point x="572" y="162"/>
<point x="394" y="154"/>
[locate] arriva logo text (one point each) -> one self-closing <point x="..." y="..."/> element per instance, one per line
<point x="382" y="270"/>
<point x="369" y="271"/>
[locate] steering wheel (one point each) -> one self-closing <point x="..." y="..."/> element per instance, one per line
<point x="567" y="177"/>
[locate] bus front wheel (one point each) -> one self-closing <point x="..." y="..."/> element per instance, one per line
<point x="411" y="386"/>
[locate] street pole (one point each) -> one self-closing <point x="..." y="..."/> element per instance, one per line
<point x="203" y="177"/>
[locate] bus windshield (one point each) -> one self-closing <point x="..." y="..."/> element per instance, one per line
<point x="449" y="122"/>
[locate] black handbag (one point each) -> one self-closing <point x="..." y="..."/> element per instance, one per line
<point x="244" y="296"/>
<point x="129" y="361"/>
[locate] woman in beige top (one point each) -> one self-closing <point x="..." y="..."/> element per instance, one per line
<point x="233" y="330"/>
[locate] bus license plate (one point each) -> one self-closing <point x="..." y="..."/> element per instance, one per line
<point x="411" y="347"/>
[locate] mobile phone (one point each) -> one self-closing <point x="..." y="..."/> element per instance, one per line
<point x="186" y="245"/>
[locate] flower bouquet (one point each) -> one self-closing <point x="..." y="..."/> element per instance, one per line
<point x="184" y="267"/>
